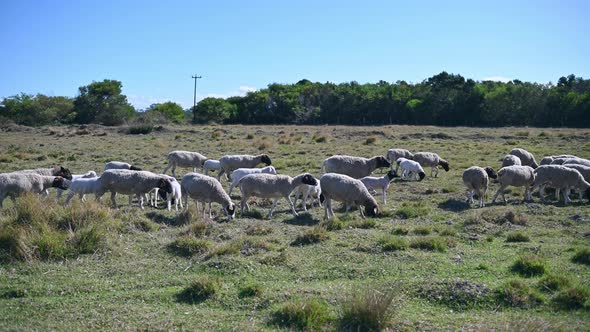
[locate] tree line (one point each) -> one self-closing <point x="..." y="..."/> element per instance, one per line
<point x="443" y="99"/>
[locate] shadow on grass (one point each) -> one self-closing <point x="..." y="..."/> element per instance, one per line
<point x="303" y="219"/>
<point x="454" y="205"/>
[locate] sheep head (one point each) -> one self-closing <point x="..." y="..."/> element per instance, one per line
<point x="382" y="162"/>
<point x="64" y="172"/>
<point x="444" y="164"/>
<point x="422" y="175"/>
<point x="491" y="173"/>
<point x="60" y="182"/>
<point x="231" y="210"/>
<point x="165" y="185"/>
<point x="391" y="175"/>
<point x="371" y="210"/>
<point x="265" y="159"/>
<point x="309" y="180"/>
<point x="133" y="168"/>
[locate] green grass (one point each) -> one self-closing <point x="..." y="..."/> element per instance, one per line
<point x="368" y="310"/>
<point x="529" y="266"/>
<point x="517" y="237"/>
<point x="310" y="315"/>
<point x="202" y="289"/>
<point x="126" y="267"/>
<point x="582" y="256"/>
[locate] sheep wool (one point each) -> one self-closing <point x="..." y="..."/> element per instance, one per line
<point x="476" y="179"/>
<point x="343" y="188"/>
<point x="16" y="184"/>
<point x="526" y="158"/>
<point x="120" y="165"/>
<point x="230" y="163"/>
<point x="394" y="154"/>
<point x="510" y="160"/>
<point x="379" y="183"/>
<point x="432" y="160"/>
<point x="355" y="167"/>
<point x="516" y="176"/>
<point x="562" y="178"/>
<point x="129" y="182"/>
<point x="206" y="189"/>
<point x="188" y="159"/>
<point x="239" y="173"/>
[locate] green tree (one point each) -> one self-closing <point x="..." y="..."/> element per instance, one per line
<point x="37" y="110"/>
<point x="214" y="110"/>
<point x="170" y="110"/>
<point x="102" y="102"/>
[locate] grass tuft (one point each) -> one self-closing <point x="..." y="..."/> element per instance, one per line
<point x="140" y="129"/>
<point x="368" y="310"/>
<point x="553" y="282"/>
<point x="432" y="243"/>
<point x="333" y="224"/>
<point x="422" y="230"/>
<point x="516" y="293"/>
<point x="572" y="298"/>
<point x="393" y="243"/>
<point x="582" y="256"/>
<point x="187" y="245"/>
<point x="517" y="237"/>
<point x="410" y="210"/>
<point x="250" y="289"/>
<point x="311" y="315"/>
<point x="204" y="288"/>
<point x="529" y="266"/>
<point x="315" y="235"/>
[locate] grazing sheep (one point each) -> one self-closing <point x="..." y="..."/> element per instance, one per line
<point x="526" y="158"/>
<point x="559" y="161"/>
<point x="343" y="188"/>
<point x="184" y="159"/>
<point x="82" y="186"/>
<point x="577" y="161"/>
<point x="394" y="154"/>
<point x="53" y="171"/>
<point x="230" y="163"/>
<point x="562" y="178"/>
<point x="431" y="159"/>
<point x="374" y="183"/>
<point x="476" y="179"/>
<point x="305" y="191"/>
<point x="510" y="160"/>
<point x="356" y="167"/>
<point x="129" y="182"/>
<point x="211" y="165"/>
<point x="206" y="189"/>
<point x="89" y="174"/>
<point x="272" y="186"/>
<point x="120" y="165"/>
<point x="175" y="195"/>
<point x="411" y="168"/>
<point x="517" y="176"/>
<point x="239" y="173"/>
<point x="16" y="184"/>
<point x="548" y="160"/>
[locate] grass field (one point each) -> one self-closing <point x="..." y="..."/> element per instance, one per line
<point x="428" y="262"/>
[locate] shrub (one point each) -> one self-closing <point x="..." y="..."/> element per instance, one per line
<point x="371" y="140"/>
<point x="309" y="315"/>
<point x="572" y="298"/>
<point x="529" y="266"/>
<point x="368" y="310"/>
<point x="516" y="293"/>
<point x="582" y="256"/>
<point x="140" y="129"/>
<point x="200" y="290"/>
<point x="553" y="282"/>
<point x="393" y="243"/>
<point x="314" y="235"/>
<point x="432" y="243"/>
<point x="517" y="237"/>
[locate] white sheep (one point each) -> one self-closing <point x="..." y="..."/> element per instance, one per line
<point x="343" y="188"/>
<point x="239" y="173"/>
<point x="547" y="160"/>
<point x="189" y="159"/>
<point x="356" y="167"/>
<point x="476" y="179"/>
<point x="306" y="191"/>
<point x="577" y="161"/>
<point x="510" y="160"/>
<point x="516" y="176"/>
<point x="230" y="163"/>
<point x="206" y="189"/>
<point x="89" y="174"/>
<point x="562" y="178"/>
<point x="175" y="195"/>
<point x="51" y="171"/>
<point x="120" y="165"/>
<point x="82" y="186"/>
<point x="129" y="182"/>
<point x="16" y="184"/>
<point x="394" y="154"/>
<point x="211" y="165"/>
<point x="272" y="186"/>
<point x="379" y="183"/>
<point x="526" y="158"/>
<point x="432" y="160"/>
<point x="410" y="168"/>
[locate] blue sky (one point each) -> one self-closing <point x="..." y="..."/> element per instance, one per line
<point x="154" y="47"/>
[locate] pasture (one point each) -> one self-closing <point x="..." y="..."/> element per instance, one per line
<point x="428" y="262"/>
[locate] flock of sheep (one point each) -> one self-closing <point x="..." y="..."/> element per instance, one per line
<point x="346" y="179"/>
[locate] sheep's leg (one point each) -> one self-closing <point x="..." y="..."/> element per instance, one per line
<point x="82" y="197"/>
<point x="361" y="211"/>
<point x="293" y="206"/>
<point x="167" y="168"/>
<point x="210" y="215"/>
<point x="384" y="193"/>
<point x="242" y="204"/>
<point x="557" y="190"/>
<point x="221" y="171"/>
<point x="231" y="187"/>
<point x="70" y="195"/>
<point x="179" y="201"/>
<point x="566" y="196"/>
<point x="328" y="208"/>
<point x="274" y="204"/>
<point x="482" y="198"/>
<point x="500" y="191"/>
<point x="113" y="196"/>
<point x="304" y="201"/>
<point x="169" y="202"/>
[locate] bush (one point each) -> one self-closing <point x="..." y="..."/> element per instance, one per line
<point x="309" y="315"/>
<point x="582" y="256"/>
<point x="371" y="140"/>
<point x="200" y="290"/>
<point x="393" y="243"/>
<point x="516" y="293"/>
<point x="368" y="310"/>
<point x="517" y="237"/>
<point x="572" y="299"/>
<point x="529" y="266"/>
<point x="141" y="129"/>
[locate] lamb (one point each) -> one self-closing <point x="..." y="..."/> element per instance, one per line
<point x="239" y="173"/>
<point x="562" y="178"/>
<point x="356" y="167"/>
<point x="17" y="183"/>
<point x="206" y="189"/>
<point x="211" y="165"/>
<point x="394" y="154"/>
<point x="230" y="163"/>
<point x="120" y="165"/>
<point x="89" y="174"/>
<point x="577" y="161"/>
<point x="175" y="195"/>
<point x="82" y="186"/>
<point x="476" y="179"/>
<point x="305" y="191"/>
<point x="410" y="168"/>
<point x="374" y="183"/>
<point x="549" y="159"/>
<point x="526" y="158"/>
<point x="272" y="186"/>
<point x="129" y="182"/>
<point x="184" y="159"/>
<point x="431" y="159"/>
<point x="517" y="176"/>
<point x="343" y="188"/>
<point x="510" y="160"/>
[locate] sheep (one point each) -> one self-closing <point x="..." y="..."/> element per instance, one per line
<point x="120" y="165"/>
<point x="510" y="160"/>
<point x="211" y="165"/>
<point x="53" y="171"/>
<point x="549" y="159"/>
<point x="206" y="189"/>
<point x="239" y="173"/>
<point x="410" y="168"/>
<point x="184" y="159"/>
<point x="230" y="163"/>
<point x="15" y="184"/>
<point x="517" y="176"/>
<point x="577" y="161"/>
<point x="343" y="188"/>
<point x="305" y="191"/>
<point x="356" y="167"/>
<point x="175" y="195"/>
<point x="562" y="178"/>
<point x="559" y="161"/>
<point x="526" y="158"/>
<point x="584" y="170"/>
<point x="272" y="186"/>
<point x="89" y="174"/>
<point x="129" y="182"/>
<point x="374" y="183"/>
<point x="82" y="186"/>
<point x="394" y="154"/>
<point x="431" y="159"/>
<point x="476" y="179"/>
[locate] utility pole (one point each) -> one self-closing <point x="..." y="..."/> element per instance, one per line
<point x="195" y="99"/>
